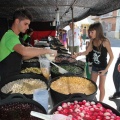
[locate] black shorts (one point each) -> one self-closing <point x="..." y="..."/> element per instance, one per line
<point x="97" y="69"/>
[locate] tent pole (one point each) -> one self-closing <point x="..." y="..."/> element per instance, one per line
<point x="72" y="31"/>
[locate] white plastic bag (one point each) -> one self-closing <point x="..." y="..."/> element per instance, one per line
<point x="45" y="67"/>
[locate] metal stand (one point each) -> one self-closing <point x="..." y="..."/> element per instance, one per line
<point x="117" y="102"/>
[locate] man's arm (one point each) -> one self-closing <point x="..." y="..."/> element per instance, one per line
<point x="30" y="52"/>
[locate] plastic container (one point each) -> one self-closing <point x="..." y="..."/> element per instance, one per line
<point x="45" y="67"/>
<point x="41" y="96"/>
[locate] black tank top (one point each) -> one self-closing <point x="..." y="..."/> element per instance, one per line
<point x="100" y="56"/>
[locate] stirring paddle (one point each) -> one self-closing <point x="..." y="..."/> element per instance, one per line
<point x="50" y="117"/>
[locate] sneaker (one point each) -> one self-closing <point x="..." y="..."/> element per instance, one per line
<point x="115" y="95"/>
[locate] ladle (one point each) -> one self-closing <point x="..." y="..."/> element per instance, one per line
<point x="50" y="117"/>
<point x="60" y="69"/>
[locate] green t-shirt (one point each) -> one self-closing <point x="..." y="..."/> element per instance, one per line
<point x="25" y="37"/>
<point x="7" y="43"/>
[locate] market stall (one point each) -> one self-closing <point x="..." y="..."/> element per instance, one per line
<point x="58" y="90"/>
<point x="18" y="107"/>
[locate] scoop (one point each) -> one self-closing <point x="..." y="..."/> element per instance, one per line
<point x="60" y="69"/>
<point x="50" y="117"/>
<point x="50" y="57"/>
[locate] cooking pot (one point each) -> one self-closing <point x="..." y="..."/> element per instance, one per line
<point x="63" y="49"/>
<point x="64" y="59"/>
<point x="56" y="42"/>
<point x="17" y="77"/>
<point x="59" y="50"/>
<point x="58" y="96"/>
<point x="65" y="54"/>
<point x="34" y="62"/>
<point x="80" y="63"/>
<point x="71" y="68"/>
<point x="78" y="98"/>
<point x="18" y="107"/>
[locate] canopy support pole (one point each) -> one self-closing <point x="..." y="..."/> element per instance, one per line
<point x="72" y="31"/>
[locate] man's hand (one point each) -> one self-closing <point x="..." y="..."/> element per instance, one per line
<point x="53" y="52"/>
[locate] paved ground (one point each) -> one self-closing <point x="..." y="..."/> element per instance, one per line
<point x="109" y="86"/>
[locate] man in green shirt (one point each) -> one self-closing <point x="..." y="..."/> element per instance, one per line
<point x="27" y="37"/>
<point x="12" y="51"/>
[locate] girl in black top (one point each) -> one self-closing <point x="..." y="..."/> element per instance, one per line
<point x="100" y="46"/>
